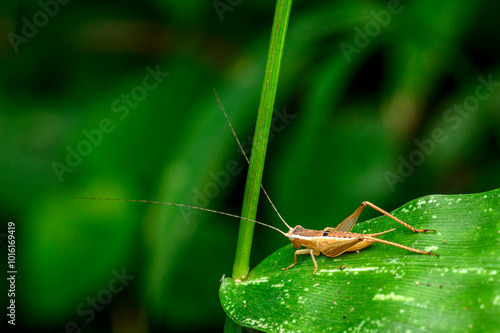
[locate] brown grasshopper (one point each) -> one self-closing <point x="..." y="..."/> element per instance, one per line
<point x="331" y="242"/>
<point x="335" y="241"/>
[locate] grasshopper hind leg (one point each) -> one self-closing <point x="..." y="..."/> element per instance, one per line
<point x="366" y="203"/>
<point x="349" y="222"/>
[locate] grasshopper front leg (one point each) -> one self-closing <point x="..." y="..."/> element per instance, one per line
<point x="306" y="251"/>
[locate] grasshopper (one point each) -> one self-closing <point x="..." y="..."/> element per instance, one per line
<point x="333" y="242"/>
<point x="330" y="241"/>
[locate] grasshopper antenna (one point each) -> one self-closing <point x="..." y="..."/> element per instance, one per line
<point x="246" y="158"/>
<point x="187" y="206"/>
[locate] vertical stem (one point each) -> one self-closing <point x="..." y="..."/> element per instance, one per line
<point x="241" y="265"/>
<point x="231" y="327"/>
<point x="259" y="147"/>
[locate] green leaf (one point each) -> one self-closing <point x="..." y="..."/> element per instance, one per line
<point x="384" y="287"/>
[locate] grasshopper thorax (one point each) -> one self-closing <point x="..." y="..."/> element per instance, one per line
<point x="297" y="231"/>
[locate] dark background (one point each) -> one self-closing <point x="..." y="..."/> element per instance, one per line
<point x="381" y="123"/>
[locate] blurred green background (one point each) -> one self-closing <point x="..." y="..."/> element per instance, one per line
<point x="382" y="101"/>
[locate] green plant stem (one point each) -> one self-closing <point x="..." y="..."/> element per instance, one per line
<point x="231" y="327"/>
<point x="241" y="265"/>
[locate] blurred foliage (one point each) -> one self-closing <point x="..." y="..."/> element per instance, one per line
<point x="356" y="119"/>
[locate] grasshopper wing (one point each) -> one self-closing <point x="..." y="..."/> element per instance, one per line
<point x="350" y="221"/>
<point x="338" y="247"/>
